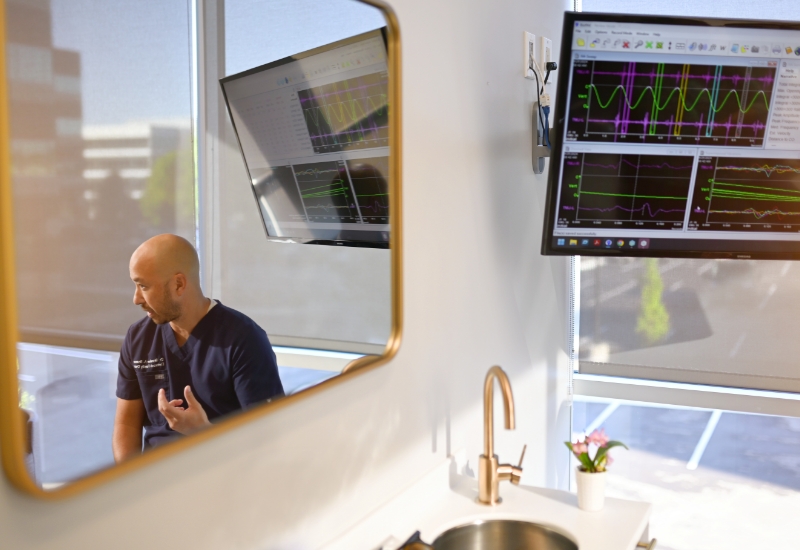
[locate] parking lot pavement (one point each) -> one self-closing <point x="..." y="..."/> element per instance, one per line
<point x="744" y="494"/>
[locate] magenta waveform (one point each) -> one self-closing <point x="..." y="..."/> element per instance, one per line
<point x="370" y="129"/>
<point x="375" y="206"/>
<point x="656" y="166"/>
<point x="707" y="78"/>
<point x="617" y="121"/>
<point x="622" y="125"/>
<point x="645" y="207"/>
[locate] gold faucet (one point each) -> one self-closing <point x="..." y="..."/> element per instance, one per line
<point x="490" y="472"/>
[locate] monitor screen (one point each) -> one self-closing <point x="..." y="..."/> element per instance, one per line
<point x="675" y="137"/>
<point x="313" y="131"/>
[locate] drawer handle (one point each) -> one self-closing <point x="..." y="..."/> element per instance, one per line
<point x="648" y="545"/>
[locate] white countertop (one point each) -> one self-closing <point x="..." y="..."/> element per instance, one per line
<point x="443" y="499"/>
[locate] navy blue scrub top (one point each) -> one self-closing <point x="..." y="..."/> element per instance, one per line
<point x="227" y="360"/>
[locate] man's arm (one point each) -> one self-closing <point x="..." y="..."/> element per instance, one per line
<point x="255" y="370"/>
<point x="128" y="425"/>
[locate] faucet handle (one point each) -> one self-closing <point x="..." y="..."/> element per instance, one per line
<point x="516" y="471"/>
<point x="510" y="472"/>
<point x="522" y="456"/>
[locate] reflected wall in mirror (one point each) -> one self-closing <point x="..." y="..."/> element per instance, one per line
<point x="116" y="314"/>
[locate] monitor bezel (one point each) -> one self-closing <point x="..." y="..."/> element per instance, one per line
<point x="779" y="247"/>
<point x="358" y="243"/>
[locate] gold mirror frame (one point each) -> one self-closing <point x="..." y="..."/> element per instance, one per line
<point x="12" y="436"/>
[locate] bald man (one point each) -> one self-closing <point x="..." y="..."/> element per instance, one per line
<point x="191" y="360"/>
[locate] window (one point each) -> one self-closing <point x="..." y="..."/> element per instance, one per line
<point x="717" y="480"/>
<point x="101" y="157"/>
<point x="647" y="328"/>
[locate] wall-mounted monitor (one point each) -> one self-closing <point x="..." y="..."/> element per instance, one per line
<point x="675" y="137"/>
<point x="313" y="130"/>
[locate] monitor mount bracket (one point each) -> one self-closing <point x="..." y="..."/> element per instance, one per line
<point x="540" y="151"/>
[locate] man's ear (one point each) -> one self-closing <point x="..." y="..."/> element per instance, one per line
<point x="180" y="283"/>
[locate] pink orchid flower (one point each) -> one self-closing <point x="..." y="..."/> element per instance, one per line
<point x="598" y="437"/>
<point x="580" y="448"/>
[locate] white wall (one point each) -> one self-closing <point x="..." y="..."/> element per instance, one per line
<point x="477" y="294"/>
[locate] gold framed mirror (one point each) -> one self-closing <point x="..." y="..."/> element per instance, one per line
<point x="70" y="178"/>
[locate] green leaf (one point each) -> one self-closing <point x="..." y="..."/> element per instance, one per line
<point x="601" y="452"/>
<point x="586" y="462"/>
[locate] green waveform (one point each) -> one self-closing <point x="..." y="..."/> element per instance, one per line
<point x="325" y="191"/>
<point x="632" y="196"/>
<point x="657" y="93"/>
<point x="743" y="194"/>
<point x="683" y="100"/>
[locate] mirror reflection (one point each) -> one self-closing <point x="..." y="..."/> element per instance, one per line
<point x="128" y="338"/>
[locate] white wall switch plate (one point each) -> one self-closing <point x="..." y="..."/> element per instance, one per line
<point x="545" y="52"/>
<point x="528" y="52"/>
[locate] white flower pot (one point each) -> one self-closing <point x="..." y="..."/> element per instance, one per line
<point x="591" y="490"/>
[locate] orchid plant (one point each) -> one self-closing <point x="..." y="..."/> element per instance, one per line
<point x="598" y="444"/>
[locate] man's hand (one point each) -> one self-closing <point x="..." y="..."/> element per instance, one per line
<point x="184" y="421"/>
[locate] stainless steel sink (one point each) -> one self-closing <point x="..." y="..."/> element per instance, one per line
<point x="503" y="535"/>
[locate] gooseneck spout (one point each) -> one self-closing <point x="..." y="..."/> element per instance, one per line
<point x="488" y="406"/>
<point x="490" y="471"/>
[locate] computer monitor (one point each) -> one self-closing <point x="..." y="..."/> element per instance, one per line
<point x="675" y="137"/>
<point x="313" y="132"/>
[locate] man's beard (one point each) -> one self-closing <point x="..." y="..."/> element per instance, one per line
<point x="168" y="312"/>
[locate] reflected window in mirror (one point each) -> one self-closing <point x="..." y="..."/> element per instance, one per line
<point x="100" y="128"/>
<point x="101" y="137"/>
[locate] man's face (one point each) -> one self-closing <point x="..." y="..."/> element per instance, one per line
<point x="153" y="294"/>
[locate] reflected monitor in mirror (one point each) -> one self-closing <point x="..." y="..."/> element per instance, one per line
<point x="313" y="129"/>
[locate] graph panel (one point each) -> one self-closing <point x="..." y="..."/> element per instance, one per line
<point x="370" y="179"/>
<point x="326" y="192"/>
<point x="276" y="189"/>
<point x="628" y="102"/>
<point x="349" y="114"/>
<point x="601" y="190"/>
<point x="746" y="194"/>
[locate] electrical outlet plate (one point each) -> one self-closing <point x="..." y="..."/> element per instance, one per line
<point x="529" y="50"/>
<point x="546" y="52"/>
